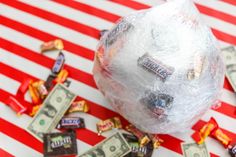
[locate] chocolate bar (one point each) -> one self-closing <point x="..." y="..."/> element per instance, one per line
<point x="71" y="122"/>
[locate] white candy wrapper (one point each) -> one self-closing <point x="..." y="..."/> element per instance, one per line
<point x="160" y="68"/>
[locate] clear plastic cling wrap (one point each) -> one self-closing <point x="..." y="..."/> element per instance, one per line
<point x="160" y="68"/>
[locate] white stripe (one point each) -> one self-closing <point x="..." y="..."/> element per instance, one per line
<point x="33" y="69"/>
<point x="228" y="97"/>
<point x="212" y="144"/>
<point x="23" y="121"/>
<point x="218" y="5"/>
<point x="50" y="27"/>
<point x="71" y="13"/>
<point x="33" y="44"/>
<point x="13" y="86"/>
<point x="219" y="24"/>
<point x="16" y="148"/>
<point x="164" y="152"/>
<point x="151" y="2"/>
<point x="111" y="7"/>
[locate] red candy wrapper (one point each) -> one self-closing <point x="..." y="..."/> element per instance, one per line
<point x="16" y="105"/>
<point x="24" y="86"/>
<point x="34" y="94"/>
<point x="222" y="137"/>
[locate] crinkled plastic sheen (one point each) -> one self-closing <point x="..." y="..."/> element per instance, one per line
<point x="160" y="68"/>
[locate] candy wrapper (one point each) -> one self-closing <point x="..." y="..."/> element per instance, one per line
<point x="160" y="68"/>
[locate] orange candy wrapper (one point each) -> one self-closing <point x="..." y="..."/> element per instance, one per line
<point x="143" y="138"/>
<point x="79" y="106"/>
<point x="62" y="76"/>
<point x="35" y="110"/>
<point x="24" y="86"/>
<point x="222" y="137"/>
<point x="34" y="94"/>
<point x="52" y="45"/>
<point x="108" y="124"/>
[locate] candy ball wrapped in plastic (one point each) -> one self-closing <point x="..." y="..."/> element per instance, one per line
<point x="160" y="68"/>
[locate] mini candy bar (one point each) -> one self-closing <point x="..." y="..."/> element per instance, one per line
<point x="198" y="66"/>
<point x="143" y="138"/>
<point x="60" y="144"/>
<point x="59" y="63"/>
<point x="24" y="86"/>
<point x="34" y="94"/>
<point x="71" y="122"/>
<point x="42" y="90"/>
<point x="155" y="66"/>
<point x="232" y="150"/>
<point x="15" y="105"/>
<point x="208" y="128"/>
<point x="102" y="32"/>
<point x="52" y="45"/>
<point x="79" y="106"/>
<point x="108" y="124"/>
<point x="35" y="110"/>
<point x="205" y="131"/>
<point x="62" y="76"/>
<point x="49" y="82"/>
<point x="136" y="150"/>
<point x="222" y="137"/>
<point x="156" y="140"/>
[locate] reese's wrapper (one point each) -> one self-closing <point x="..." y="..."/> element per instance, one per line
<point x="108" y="124"/>
<point x="143" y="138"/>
<point x="52" y="45"/>
<point x="60" y="144"/>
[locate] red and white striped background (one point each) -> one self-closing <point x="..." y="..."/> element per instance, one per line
<point x="25" y="24"/>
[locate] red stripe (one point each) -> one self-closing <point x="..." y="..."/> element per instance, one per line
<point x="54" y="18"/>
<point x="227" y="109"/>
<point x="171" y="143"/>
<point x="227" y="85"/>
<point x="216" y="13"/>
<point x="69" y="46"/>
<point x="46" y="62"/>
<point x="233" y="2"/>
<point x="90" y="10"/>
<point x="131" y="4"/>
<point x="4" y="153"/>
<point x="20" y="135"/>
<point x="95" y="109"/>
<point x="224" y="36"/>
<point x="82" y="134"/>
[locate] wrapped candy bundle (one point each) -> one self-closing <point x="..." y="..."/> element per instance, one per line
<point x="160" y="68"/>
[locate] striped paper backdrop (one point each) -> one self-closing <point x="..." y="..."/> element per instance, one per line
<point x="25" y="24"/>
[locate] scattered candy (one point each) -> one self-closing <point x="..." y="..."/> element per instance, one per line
<point x="52" y="45"/>
<point x="16" y="105"/>
<point x="60" y="144"/>
<point x="108" y="124"/>
<point x="49" y="82"/>
<point x="35" y="110"/>
<point x="79" y="106"/>
<point x="71" y="123"/>
<point x="156" y="140"/>
<point x="142" y="137"/>
<point x="62" y="76"/>
<point x="222" y="137"/>
<point x="232" y="150"/>
<point x="59" y="63"/>
<point x="34" y="94"/>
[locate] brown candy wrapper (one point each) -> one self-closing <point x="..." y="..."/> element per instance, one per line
<point x="143" y="138"/>
<point x="79" y="106"/>
<point x="52" y="45"/>
<point x="108" y="124"/>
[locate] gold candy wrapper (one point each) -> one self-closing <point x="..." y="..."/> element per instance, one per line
<point x="143" y="138"/>
<point x="156" y="140"/>
<point x="52" y="45"/>
<point x="108" y="124"/>
<point x="79" y="106"/>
